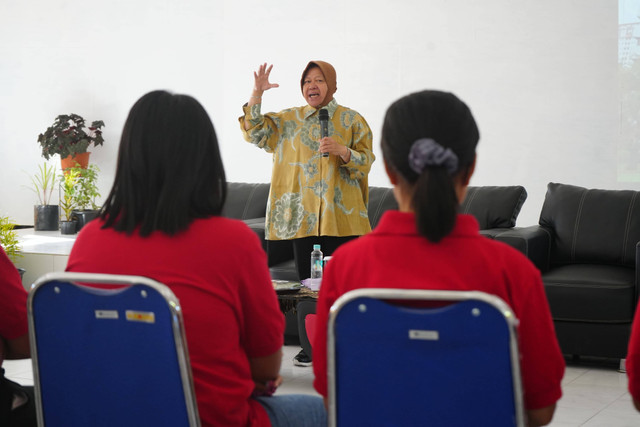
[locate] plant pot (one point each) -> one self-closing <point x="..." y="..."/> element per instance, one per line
<point x="70" y="161"/>
<point x="45" y="217"/>
<point x="68" y="227"/>
<point x="84" y="216"/>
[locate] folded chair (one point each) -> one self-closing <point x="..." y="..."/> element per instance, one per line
<point x="109" y="350"/>
<point x="419" y="357"/>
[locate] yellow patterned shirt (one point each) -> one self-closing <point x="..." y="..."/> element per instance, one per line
<point x="313" y="195"/>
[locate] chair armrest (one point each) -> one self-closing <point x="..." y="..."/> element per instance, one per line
<point x="533" y="241"/>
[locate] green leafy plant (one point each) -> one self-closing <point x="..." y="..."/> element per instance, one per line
<point x="68" y="181"/>
<point x="85" y="190"/>
<point x="44" y="183"/>
<point x="9" y="238"/>
<point x="67" y="136"/>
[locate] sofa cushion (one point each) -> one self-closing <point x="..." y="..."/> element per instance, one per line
<point x="494" y="207"/>
<point x="246" y="200"/>
<point x="591" y="293"/>
<point x="592" y="226"/>
<point x="381" y="199"/>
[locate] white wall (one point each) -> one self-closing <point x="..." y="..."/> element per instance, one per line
<point x="541" y="77"/>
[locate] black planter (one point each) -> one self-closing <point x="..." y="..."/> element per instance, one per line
<point x="45" y="217"/>
<point x="68" y="227"/>
<point x="83" y="217"/>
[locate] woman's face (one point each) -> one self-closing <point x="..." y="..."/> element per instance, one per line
<point x="314" y="87"/>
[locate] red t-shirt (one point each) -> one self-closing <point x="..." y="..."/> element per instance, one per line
<point x="633" y="358"/>
<point x="218" y="271"/>
<point x="13" y="302"/>
<point x="395" y="255"/>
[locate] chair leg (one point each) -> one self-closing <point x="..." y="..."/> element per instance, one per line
<point x="623" y="366"/>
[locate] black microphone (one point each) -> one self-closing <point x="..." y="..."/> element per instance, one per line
<point x="324" y="126"/>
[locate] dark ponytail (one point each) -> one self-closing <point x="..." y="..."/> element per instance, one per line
<point x="429" y="138"/>
<point x="435" y="204"/>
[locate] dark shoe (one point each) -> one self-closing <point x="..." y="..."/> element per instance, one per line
<point x="302" y="359"/>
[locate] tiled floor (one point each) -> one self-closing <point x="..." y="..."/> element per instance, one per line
<point x="594" y="394"/>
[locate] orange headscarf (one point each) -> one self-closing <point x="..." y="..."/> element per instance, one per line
<point x="329" y="74"/>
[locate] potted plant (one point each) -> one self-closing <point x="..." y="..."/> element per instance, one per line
<point x="45" y="215"/>
<point x="68" y="138"/>
<point x="68" y="182"/>
<point x="9" y="238"/>
<point x="9" y="241"/>
<point x="85" y="193"/>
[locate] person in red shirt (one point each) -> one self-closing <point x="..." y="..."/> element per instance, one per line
<point x="162" y="220"/>
<point x="429" y="143"/>
<point x="633" y="361"/>
<point x="17" y="405"/>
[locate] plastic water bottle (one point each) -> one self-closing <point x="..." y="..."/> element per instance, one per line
<point x="316" y="262"/>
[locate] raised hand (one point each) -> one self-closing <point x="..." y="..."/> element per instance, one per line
<point x="262" y="79"/>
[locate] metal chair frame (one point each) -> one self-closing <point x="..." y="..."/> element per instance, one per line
<point x="359" y="296"/>
<point x="61" y="281"/>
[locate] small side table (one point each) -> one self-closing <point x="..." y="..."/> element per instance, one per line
<point x="288" y="300"/>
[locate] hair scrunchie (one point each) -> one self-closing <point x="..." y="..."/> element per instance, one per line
<point x="427" y="152"/>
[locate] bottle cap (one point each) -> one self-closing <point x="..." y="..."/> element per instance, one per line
<point x="316" y="247"/>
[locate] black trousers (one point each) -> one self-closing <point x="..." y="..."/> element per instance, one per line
<point x="23" y="416"/>
<point x="302" y="254"/>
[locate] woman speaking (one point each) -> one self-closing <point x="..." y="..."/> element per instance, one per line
<point x="314" y="198"/>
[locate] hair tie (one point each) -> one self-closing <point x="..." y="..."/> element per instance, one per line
<point x="427" y="152"/>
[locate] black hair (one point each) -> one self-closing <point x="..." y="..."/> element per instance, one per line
<point x="169" y="169"/>
<point x="447" y="120"/>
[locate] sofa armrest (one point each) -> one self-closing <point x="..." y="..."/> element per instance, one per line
<point x="533" y="241"/>
<point x="278" y="251"/>
<point x="257" y="226"/>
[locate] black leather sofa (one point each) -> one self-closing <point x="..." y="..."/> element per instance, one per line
<point x="586" y="246"/>
<point x="495" y="207"/>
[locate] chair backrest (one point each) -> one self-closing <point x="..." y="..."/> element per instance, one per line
<point x="421" y="357"/>
<point x="109" y="350"/>
<point x="591" y="225"/>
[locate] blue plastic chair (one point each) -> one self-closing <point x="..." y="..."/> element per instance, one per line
<point x="420" y="357"/>
<point x="109" y="357"/>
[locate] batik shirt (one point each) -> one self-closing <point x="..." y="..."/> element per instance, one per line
<point x="313" y="195"/>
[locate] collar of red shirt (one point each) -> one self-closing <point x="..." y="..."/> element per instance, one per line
<point x="396" y="222"/>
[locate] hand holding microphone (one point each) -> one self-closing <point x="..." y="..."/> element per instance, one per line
<point x="329" y="144"/>
<point x="324" y="126"/>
